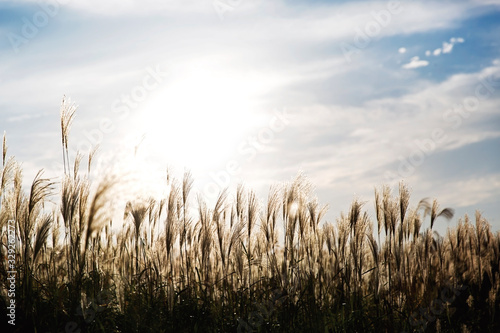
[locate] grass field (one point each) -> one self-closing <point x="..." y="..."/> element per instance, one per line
<point x="243" y="264"/>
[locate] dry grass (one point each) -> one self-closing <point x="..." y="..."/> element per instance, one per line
<point x="169" y="270"/>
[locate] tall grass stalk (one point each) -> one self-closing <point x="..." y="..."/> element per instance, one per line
<point x="276" y="265"/>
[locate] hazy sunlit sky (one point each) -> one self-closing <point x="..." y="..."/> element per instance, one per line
<point x="354" y="94"/>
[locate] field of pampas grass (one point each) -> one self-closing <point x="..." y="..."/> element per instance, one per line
<point x="240" y="265"/>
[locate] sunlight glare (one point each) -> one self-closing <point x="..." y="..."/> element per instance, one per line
<point x="199" y="118"/>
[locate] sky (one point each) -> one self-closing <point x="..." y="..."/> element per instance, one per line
<point x="353" y="94"/>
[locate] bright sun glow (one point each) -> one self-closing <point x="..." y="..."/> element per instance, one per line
<point x="197" y="119"/>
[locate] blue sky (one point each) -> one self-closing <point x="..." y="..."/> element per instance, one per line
<point x="354" y="94"/>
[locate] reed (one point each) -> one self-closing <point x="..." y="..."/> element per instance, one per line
<point x="239" y="264"/>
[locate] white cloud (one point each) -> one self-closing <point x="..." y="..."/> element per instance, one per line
<point x="23" y="117"/>
<point x="415" y="62"/>
<point x="447" y="47"/>
<point x="454" y="40"/>
<point x="427" y="53"/>
<point x="402" y="50"/>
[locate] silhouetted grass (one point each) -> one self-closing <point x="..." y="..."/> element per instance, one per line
<point x="241" y="265"/>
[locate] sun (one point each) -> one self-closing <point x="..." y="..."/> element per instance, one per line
<point x="197" y="119"/>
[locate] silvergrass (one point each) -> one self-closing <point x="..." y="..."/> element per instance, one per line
<point x="171" y="270"/>
<point x="433" y="210"/>
<point x="41" y="235"/>
<point x="68" y="110"/>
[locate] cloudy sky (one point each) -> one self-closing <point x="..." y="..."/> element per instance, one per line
<point x="354" y="94"/>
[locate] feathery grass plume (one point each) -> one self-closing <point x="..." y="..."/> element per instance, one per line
<point x="294" y="199"/>
<point x="387" y="208"/>
<point x="482" y="236"/>
<point x="329" y="232"/>
<point x="41" y="235"/>
<point x="391" y="217"/>
<point x="374" y="252"/>
<point x="268" y="228"/>
<point x="219" y="220"/>
<point x="98" y="210"/>
<point x="83" y="202"/>
<point x="417" y="224"/>
<point x="354" y="216"/>
<point x="68" y="110"/>
<point x="18" y="197"/>
<point x="316" y="214"/>
<point x="7" y="176"/>
<point x="187" y="183"/>
<point x="69" y="200"/>
<point x="251" y="220"/>
<point x="92" y="153"/>
<point x="56" y="230"/>
<point x="204" y="238"/>
<point x="240" y="201"/>
<point x="8" y="167"/>
<point x="154" y="207"/>
<point x="171" y="222"/>
<point x="433" y="210"/>
<point x="303" y="224"/>
<point x="404" y="201"/>
<point x="137" y="213"/>
<point x="41" y="188"/>
<point x="251" y="213"/>
<point x="239" y="265"/>
<point x="76" y="165"/>
<point x="69" y="208"/>
<point x="236" y="235"/>
<point x="358" y="224"/>
<point x="379" y="213"/>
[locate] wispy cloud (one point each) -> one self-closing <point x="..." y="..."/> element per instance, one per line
<point x="448" y="46"/>
<point x="23" y="117"/>
<point x="415" y="62"/>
